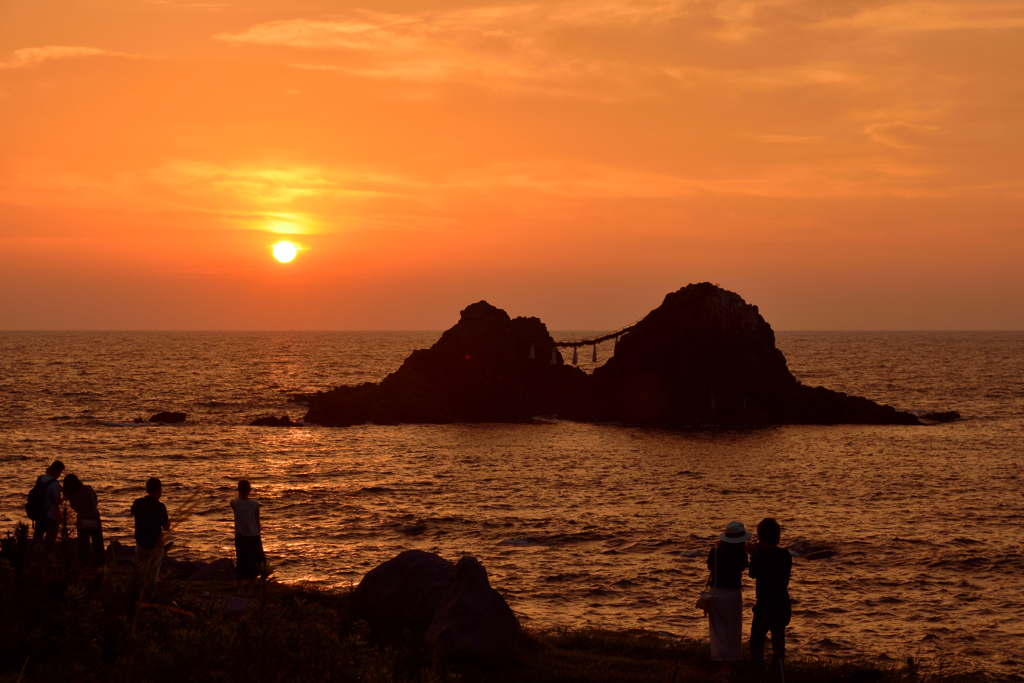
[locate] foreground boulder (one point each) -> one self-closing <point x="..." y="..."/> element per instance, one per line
<point x="704" y="356"/>
<point x="218" y="570"/>
<point x="473" y="621"/>
<point x="403" y="594"/>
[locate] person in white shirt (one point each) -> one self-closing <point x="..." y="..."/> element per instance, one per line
<point x="249" y="555"/>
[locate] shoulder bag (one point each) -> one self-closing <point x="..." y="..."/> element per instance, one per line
<point x="709" y="598"/>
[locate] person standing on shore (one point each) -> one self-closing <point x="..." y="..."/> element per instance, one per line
<point x="770" y="567"/>
<point x="150" y="522"/>
<point x="248" y="543"/>
<point x="87" y="520"/>
<point x="48" y="494"/>
<point x="726" y="561"/>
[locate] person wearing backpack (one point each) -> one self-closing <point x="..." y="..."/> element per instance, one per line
<point x="43" y="506"/>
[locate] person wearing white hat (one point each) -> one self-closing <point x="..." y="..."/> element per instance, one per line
<point x="726" y="562"/>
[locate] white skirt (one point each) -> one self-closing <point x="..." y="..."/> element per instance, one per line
<point x="726" y="624"/>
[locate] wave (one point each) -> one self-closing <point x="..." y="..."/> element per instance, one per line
<point x="554" y="539"/>
<point x="130" y="424"/>
<point x="566" y="576"/>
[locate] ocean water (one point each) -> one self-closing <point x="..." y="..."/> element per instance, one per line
<point x="576" y="524"/>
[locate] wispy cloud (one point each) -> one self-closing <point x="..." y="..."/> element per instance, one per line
<point x="277" y="187"/>
<point x="365" y="30"/>
<point x="904" y="136"/>
<point x="628" y="43"/>
<point x="497" y="45"/>
<point x="792" y="139"/>
<point x="590" y="182"/>
<point x="940" y="15"/>
<point x="32" y="56"/>
<point x="188" y="5"/>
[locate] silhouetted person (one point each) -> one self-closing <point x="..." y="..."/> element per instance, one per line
<point x="726" y="561"/>
<point x="248" y="544"/>
<point x="46" y="529"/>
<point x="84" y="503"/>
<point x="770" y="567"/>
<point x="150" y="522"/>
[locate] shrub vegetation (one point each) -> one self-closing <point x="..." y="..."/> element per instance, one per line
<point x="63" y="624"/>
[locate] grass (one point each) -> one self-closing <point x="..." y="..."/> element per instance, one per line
<point x="60" y="624"/>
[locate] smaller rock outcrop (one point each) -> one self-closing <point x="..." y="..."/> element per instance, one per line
<point x="182" y="569"/>
<point x="191" y="570"/>
<point x="218" y="570"/>
<point x="403" y="594"/>
<point x="810" y="550"/>
<point x="168" y="418"/>
<point x="473" y="622"/>
<point x="942" y="416"/>
<point x="271" y="421"/>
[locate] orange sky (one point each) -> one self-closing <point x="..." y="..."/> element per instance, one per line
<point x="845" y="164"/>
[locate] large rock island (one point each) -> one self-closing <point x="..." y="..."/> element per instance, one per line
<point x="704" y="356"/>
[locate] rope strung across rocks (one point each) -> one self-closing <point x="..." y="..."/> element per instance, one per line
<point x="597" y="340"/>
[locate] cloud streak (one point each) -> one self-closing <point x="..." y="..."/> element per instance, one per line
<point x="33" y="56"/>
<point x="573" y="40"/>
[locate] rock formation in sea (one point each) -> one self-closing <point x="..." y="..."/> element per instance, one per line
<point x="487" y="368"/>
<point x="704" y="356"/>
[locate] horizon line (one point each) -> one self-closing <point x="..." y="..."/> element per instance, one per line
<point x="439" y="331"/>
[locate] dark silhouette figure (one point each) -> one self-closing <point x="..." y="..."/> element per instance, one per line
<point x="248" y="543"/>
<point x="84" y="503"/>
<point x="46" y="528"/>
<point x="726" y="562"/>
<point x="770" y="567"/>
<point x="150" y="522"/>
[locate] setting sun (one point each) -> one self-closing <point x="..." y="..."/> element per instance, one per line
<point x="284" y="251"/>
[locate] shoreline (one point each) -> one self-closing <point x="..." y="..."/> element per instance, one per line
<point x="115" y="623"/>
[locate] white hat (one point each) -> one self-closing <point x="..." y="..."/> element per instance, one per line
<point x="735" y="533"/>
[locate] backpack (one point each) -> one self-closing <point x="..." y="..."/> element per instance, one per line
<point x="35" y="507"/>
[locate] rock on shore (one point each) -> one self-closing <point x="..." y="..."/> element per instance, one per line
<point x="403" y="593"/>
<point x="473" y="621"/>
<point x="452" y="607"/>
<point x="704" y="356"/>
<point x="190" y="570"/>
